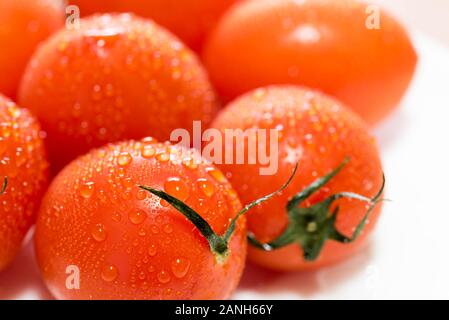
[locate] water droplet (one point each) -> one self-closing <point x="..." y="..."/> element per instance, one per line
<point x="177" y="188"/>
<point x="99" y="233"/>
<point x="87" y="190"/>
<point x="109" y="273"/>
<point x="168" y="228"/>
<point x="154" y="229"/>
<point x="141" y="194"/>
<point x="180" y="267"/>
<point x="206" y="187"/>
<point x="163" y="157"/>
<point x="163" y="276"/>
<point x="148" y="151"/>
<point x="124" y="159"/>
<point x="137" y="216"/>
<point x="152" y="250"/>
<point x="149" y="140"/>
<point x="116" y="216"/>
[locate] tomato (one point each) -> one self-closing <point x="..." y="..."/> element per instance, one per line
<point x="319" y="44"/>
<point x="127" y="243"/>
<point x="19" y="20"/>
<point x="191" y="20"/>
<point x="116" y="77"/>
<point x="320" y="133"/>
<point x="23" y="176"/>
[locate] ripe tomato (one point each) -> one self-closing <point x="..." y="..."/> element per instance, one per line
<point x="23" y="25"/>
<point x="320" y="44"/>
<point x="116" y="77"/>
<point x="191" y="20"/>
<point x="127" y="243"/>
<point x="320" y="133"/>
<point x="23" y="162"/>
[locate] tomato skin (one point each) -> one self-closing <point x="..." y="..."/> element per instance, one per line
<point x="320" y="133"/>
<point x="117" y="77"/>
<point x="19" y="20"/>
<point x="320" y="44"/>
<point x="191" y="20"/>
<point x="101" y="189"/>
<point x="23" y="161"/>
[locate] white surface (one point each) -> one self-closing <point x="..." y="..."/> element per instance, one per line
<point x="429" y="16"/>
<point x="408" y="256"/>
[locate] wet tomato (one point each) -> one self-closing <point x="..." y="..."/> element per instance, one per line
<point x="333" y="46"/>
<point x="303" y="231"/>
<point x="116" y="77"/>
<point x="23" y="176"/>
<point x="130" y="244"/>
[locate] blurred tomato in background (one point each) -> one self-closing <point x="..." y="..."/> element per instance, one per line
<point x="23" y="25"/>
<point x="191" y="20"/>
<point x="322" y="44"/>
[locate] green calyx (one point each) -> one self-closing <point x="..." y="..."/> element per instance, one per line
<point x="311" y="227"/>
<point x="219" y="245"/>
<point x="5" y="184"/>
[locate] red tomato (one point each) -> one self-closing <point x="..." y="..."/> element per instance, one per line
<point x="116" y="77"/>
<point x="23" y="25"/>
<point x="320" y="133"/>
<point x="191" y="20"/>
<point x="23" y="162"/>
<point x="320" y="44"/>
<point x="127" y="243"/>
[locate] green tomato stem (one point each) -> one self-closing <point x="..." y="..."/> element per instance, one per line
<point x="311" y="227"/>
<point x="219" y="245"/>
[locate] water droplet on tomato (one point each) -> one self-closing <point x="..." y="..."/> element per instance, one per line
<point x="168" y="228"/>
<point x="163" y="157"/>
<point x="137" y="216"/>
<point x="177" y="188"/>
<point x="180" y="267"/>
<point x="141" y="194"/>
<point x="206" y="187"/>
<point x="152" y="250"/>
<point x="163" y="276"/>
<point x="99" y="233"/>
<point x="116" y="216"/>
<point x="149" y="140"/>
<point x="124" y="159"/>
<point x="87" y="190"/>
<point x="148" y="151"/>
<point x="109" y="273"/>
